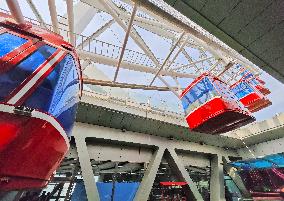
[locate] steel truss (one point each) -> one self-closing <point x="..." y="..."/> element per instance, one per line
<point x="152" y="20"/>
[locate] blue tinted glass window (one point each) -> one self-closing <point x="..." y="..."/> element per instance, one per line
<point x="67" y="88"/>
<point x="9" y="42"/>
<point x="244" y="72"/>
<point x="12" y="79"/>
<point x="224" y="91"/>
<point x="202" y="92"/>
<point x="254" y="82"/>
<point x="59" y="93"/>
<point x="242" y="89"/>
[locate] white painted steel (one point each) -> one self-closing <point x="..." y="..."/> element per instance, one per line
<point x="125" y="41"/>
<point x="53" y="15"/>
<point x="16" y="11"/>
<point x="70" y="13"/>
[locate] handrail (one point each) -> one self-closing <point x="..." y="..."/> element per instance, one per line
<point x="131" y="103"/>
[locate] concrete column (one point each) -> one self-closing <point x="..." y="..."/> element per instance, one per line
<point x="217" y="187"/>
<point x="179" y="169"/>
<point x="86" y="167"/>
<point x="149" y="176"/>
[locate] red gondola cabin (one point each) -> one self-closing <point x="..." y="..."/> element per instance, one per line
<point x="255" y="82"/>
<point x="211" y="108"/>
<point x="249" y="96"/>
<point x="40" y="87"/>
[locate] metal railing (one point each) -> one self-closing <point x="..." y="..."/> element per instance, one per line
<point x="93" y="45"/>
<point x="145" y="103"/>
<point x="90" y="44"/>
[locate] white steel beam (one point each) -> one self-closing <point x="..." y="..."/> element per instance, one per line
<point x="227" y="67"/>
<point x="177" y="53"/>
<point x="83" y="14"/>
<point x="212" y="68"/>
<point x="167" y="58"/>
<point x="265" y="148"/>
<point x="177" y="167"/>
<point x="125" y="40"/>
<point x="178" y="85"/>
<point x="210" y="42"/>
<point x="232" y="172"/>
<point x="134" y="34"/>
<point x="97" y="33"/>
<point x="70" y="13"/>
<point x="128" y="137"/>
<point x="161" y="30"/>
<point x="130" y="66"/>
<point x="124" y="85"/>
<point x="15" y="10"/>
<point x="85" y="64"/>
<point x="167" y="84"/>
<point x="192" y="63"/>
<point x="36" y="13"/>
<point x="189" y="59"/>
<point x="147" y="182"/>
<point x="53" y="15"/>
<point x="217" y="190"/>
<point x="86" y="168"/>
<point x="149" y="24"/>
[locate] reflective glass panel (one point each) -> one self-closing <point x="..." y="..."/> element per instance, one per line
<point x="59" y="93"/>
<point x="199" y="94"/>
<point x="9" y="42"/>
<point x="242" y="89"/>
<point x="14" y="77"/>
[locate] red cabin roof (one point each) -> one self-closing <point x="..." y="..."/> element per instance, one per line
<point x="47" y="35"/>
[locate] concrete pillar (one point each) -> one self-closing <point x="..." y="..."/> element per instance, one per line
<point x="145" y="187"/>
<point x="179" y="169"/>
<point x="86" y="167"/>
<point x="217" y="187"/>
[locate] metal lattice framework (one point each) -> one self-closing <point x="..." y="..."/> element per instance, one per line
<point x="201" y="51"/>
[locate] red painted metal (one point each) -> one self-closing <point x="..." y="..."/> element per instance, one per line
<point x="255" y="102"/>
<point x="217" y="115"/>
<point x="36" y="33"/>
<point x="266" y="196"/>
<point x="260" y="80"/>
<point x="173" y="183"/>
<point x="31" y="150"/>
<point x="265" y="91"/>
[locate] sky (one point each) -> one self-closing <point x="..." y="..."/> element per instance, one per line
<point x="160" y="47"/>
